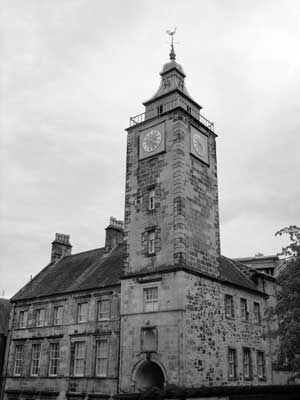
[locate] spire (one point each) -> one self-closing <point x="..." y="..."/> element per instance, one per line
<point x="172" y="52"/>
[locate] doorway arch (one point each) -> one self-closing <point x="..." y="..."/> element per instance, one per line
<point x="147" y="374"/>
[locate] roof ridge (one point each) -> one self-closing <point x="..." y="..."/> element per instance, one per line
<point x="83" y="252"/>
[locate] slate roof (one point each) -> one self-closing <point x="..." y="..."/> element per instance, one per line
<point x="4" y="315"/>
<point x="96" y="269"/>
<point x="82" y="271"/>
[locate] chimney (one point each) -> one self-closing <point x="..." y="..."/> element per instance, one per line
<point x="114" y="233"/>
<point x="60" y="247"/>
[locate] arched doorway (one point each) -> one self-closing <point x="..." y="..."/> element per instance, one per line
<point x="148" y="374"/>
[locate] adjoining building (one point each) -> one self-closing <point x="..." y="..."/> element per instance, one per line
<point x="158" y="304"/>
<point x="4" y="318"/>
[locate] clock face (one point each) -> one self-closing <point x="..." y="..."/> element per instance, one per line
<point x="151" y="140"/>
<point x="199" y="144"/>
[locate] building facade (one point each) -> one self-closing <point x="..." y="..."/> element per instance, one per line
<point x="158" y="304"/>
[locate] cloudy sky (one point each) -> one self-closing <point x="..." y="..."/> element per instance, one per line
<point x="73" y="71"/>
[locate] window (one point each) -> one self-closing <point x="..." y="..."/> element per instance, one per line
<point x="103" y="309"/>
<point x="150" y="299"/>
<point x="79" y="358"/>
<point x="232" y="364"/>
<point x="260" y="357"/>
<point x="229" y="310"/>
<point x="160" y="109"/>
<point x="101" y="357"/>
<point x="23" y="319"/>
<point x="189" y="110"/>
<point x="151" y="243"/>
<point x="40" y="317"/>
<point x="256" y="309"/>
<point x="151" y="204"/>
<point x="247" y="368"/>
<point x="82" y="312"/>
<point x="58" y="315"/>
<point x="53" y="359"/>
<point x="19" y="358"/>
<point x="244" y="310"/>
<point x="35" y="359"/>
<point x="148" y="339"/>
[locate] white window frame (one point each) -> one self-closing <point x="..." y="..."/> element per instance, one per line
<point x="229" y="306"/>
<point x="35" y="359"/>
<point x="23" y="316"/>
<point x="54" y="358"/>
<point x="101" y="357"/>
<point x="103" y="315"/>
<point x="56" y="319"/>
<point x="150" y="298"/>
<point x="79" y="358"/>
<point x="40" y="317"/>
<point x="19" y="359"/>
<point x="82" y="317"/>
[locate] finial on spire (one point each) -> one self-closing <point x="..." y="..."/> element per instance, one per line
<point x="172" y="52"/>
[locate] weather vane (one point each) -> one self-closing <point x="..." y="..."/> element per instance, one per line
<point x="172" y="52"/>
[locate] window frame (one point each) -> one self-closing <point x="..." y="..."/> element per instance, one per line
<point x="36" y="360"/>
<point x="147" y="300"/>
<point x="20" y="360"/>
<point x="244" y="310"/>
<point x="232" y="350"/>
<point x="54" y="359"/>
<point x="247" y="352"/>
<point x="151" y="243"/>
<point x="99" y="302"/>
<point x="152" y="199"/>
<point x="100" y="357"/>
<point x="24" y="321"/>
<point x="256" y="315"/>
<point x="231" y="314"/>
<point x="79" y="358"/>
<point x="261" y="377"/>
<point x="55" y="319"/>
<point x="79" y="313"/>
<point x="39" y="322"/>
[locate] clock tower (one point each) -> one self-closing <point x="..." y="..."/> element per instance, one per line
<point x="171" y="229"/>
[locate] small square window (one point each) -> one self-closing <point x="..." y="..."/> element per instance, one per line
<point x="82" y="312"/>
<point x="151" y="243"/>
<point x="229" y="309"/>
<point x="151" y="299"/>
<point x="103" y="309"/>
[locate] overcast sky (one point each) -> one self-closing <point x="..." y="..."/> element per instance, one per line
<point x="73" y="71"/>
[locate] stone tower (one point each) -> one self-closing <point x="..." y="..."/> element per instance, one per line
<point x="171" y="229"/>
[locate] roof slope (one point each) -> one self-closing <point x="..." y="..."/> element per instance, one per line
<point x="4" y="315"/>
<point x="95" y="269"/>
<point x="81" y="271"/>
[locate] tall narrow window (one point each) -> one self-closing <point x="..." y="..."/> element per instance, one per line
<point x="79" y="359"/>
<point x="160" y="109"/>
<point x="103" y="309"/>
<point x="82" y="312"/>
<point x="54" y="359"/>
<point x="247" y="367"/>
<point x="23" y="319"/>
<point x="40" y="317"/>
<point x="150" y="299"/>
<point x="261" y="373"/>
<point x="35" y="359"/>
<point x="57" y="315"/>
<point x="151" y="204"/>
<point x="19" y="359"/>
<point x="232" y="364"/>
<point x="229" y="310"/>
<point x="101" y="357"/>
<point x="151" y="243"/>
<point x="256" y="311"/>
<point x="244" y="310"/>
